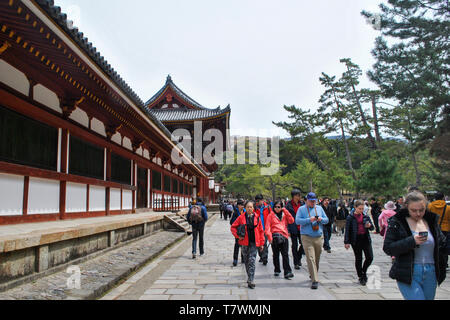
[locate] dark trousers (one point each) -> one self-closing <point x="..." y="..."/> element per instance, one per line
<point x="375" y="221"/>
<point x="264" y="254"/>
<point x="447" y="234"/>
<point x="297" y="249"/>
<point x="236" y="251"/>
<point x="197" y="232"/>
<point x="284" y="250"/>
<point x="362" y="245"/>
<point x="327" y="236"/>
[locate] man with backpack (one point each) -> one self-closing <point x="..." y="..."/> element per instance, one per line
<point x="197" y="217"/>
<point x="228" y="210"/>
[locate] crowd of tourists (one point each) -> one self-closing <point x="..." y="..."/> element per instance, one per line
<point x="415" y="234"/>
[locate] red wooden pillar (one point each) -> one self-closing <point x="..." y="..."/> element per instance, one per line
<point x="133" y="192"/>
<point x="64" y="170"/>
<point x="108" y="178"/>
<point x="26" y="187"/>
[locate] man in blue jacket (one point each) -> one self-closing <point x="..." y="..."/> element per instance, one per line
<point x="198" y="227"/>
<point x="311" y="218"/>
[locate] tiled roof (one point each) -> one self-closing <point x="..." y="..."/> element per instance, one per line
<point x="182" y="114"/>
<point x="61" y="19"/>
<point x="54" y="12"/>
<point x="178" y="91"/>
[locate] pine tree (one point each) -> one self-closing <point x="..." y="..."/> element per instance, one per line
<point x="412" y="67"/>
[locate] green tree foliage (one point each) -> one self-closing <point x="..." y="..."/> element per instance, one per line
<point x="381" y="176"/>
<point x="412" y="67"/>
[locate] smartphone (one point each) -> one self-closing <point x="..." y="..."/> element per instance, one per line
<point x="423" y="234"/>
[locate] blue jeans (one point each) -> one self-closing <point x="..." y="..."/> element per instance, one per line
<point x="197" y="232"/>
<point x="423" y="286"/>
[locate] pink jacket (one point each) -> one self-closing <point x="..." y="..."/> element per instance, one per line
<point x="274" y="225"/>
<point x="383" y="220"/>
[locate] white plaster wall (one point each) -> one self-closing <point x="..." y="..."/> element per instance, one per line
<point x="76" y="197"/>
<point x="11" y="195"/>
<point x="98" y="126"/>
<point x="47" y="97"/>
<point x="127" y="200"/>
<point x="80" y="116"/>
<point x="14" y="78"/>
<point x="127" y="143"/>
<point x="114" y="199"/>
<point x="43" y="196"/>
<point x="117" y="138"/>
<point x="146" y="154"/>
<point x="97" y="198"/>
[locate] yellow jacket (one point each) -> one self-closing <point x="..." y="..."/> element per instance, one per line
<point x="438" y="208"/>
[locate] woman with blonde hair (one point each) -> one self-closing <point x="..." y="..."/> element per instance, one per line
<point x="414" y="238"/>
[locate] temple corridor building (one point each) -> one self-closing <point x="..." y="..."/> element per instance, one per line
<point x="75" y="140"/>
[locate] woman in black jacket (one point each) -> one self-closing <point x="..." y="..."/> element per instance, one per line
<point x="357" y="235"/>
<point x="415" y="240"/>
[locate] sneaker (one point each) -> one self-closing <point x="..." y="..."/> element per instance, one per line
<point x="314" y="285"/>
<point x="329" y="250"/>
<point x="193" y="256"/>
<point x="297" y="267"/>
<point x="277" y="274"/>
<point x="289" y="275"/>
<point x="264" y="263"/>
<point x="202" y="254"/>
<point x="251" y="285"/>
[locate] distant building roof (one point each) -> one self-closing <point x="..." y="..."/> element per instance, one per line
<point x="185" y="114"/>
<point x="189" y="111"/>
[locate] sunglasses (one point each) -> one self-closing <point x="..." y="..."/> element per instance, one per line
<point x="278" y="207"/>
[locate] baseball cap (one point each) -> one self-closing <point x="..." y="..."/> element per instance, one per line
<point x="311" y="196"/>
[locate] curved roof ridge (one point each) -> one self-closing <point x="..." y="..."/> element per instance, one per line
<point x="178" y="91"/>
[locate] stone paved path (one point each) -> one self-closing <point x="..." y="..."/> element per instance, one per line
<point x="175" y="275"/>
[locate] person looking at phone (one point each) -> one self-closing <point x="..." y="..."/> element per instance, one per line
<point x="418" y="244"/>
<point x="311" y="218"/>
<point x="358" y="236"/>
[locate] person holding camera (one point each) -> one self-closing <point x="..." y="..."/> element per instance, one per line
<point x="358" y="236"/>
<point x="416" y="241"/>
<point x="248" y="229"/>
<point x="311" y="218"/>
<point x="278" y="236"/>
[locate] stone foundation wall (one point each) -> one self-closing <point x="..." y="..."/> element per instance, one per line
<point x="18" y="264"/>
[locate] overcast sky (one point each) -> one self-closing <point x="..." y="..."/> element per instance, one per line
<point x="255" y="55"/>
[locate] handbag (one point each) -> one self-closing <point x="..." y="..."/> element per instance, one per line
<point x="241" y="231"/>
<point x="278" y="238"/>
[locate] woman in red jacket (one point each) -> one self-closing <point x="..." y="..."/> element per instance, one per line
<point x="278" y="235"/>
<point x="253" y="240"/>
